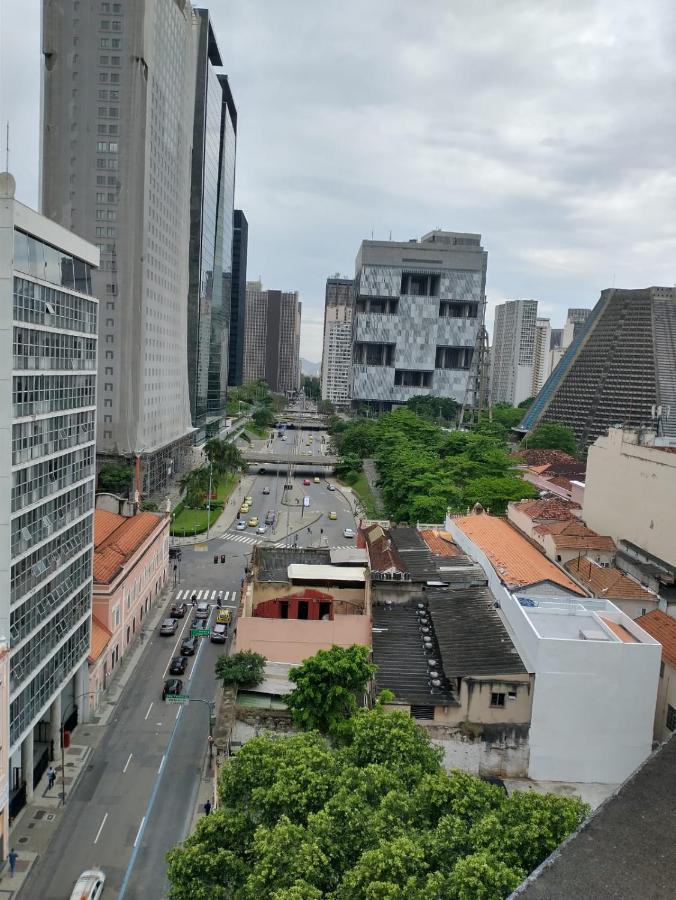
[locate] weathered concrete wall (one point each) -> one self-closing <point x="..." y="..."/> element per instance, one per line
<point x="500" y="751"/>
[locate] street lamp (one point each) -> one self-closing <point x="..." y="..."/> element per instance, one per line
<point x="209" y="503"/>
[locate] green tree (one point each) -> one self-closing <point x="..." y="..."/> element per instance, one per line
<point x="224" y="456"/>
<point x="326" y="408"/>
<point x="506" y="415"/>
<point x="434" y="409"/>
<point x="551" y="436"/>
<point x="115" y="478"/>
<point x="264" y="417"/>
<point x="311" y="387"/>
<point x="195" y="485"/>
<point x="527" y="403"/>
<point x="243" y="669"/>
<point x="495" y="492"/>
<point x="481" y="876"/>
<point x="326" y="687"/>
<point x="348" y="463"/>
<point x="394" y="870"/>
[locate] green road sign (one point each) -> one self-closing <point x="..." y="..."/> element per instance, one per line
<point x="200" y="632"/>
<point x="177" y="698"/>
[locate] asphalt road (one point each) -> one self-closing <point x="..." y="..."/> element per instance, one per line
<point x="137" y="797"/>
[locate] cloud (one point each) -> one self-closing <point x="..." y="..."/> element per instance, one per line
<point x="545" y="126"/>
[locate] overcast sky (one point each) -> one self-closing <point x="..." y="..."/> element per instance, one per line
<point x="548" y="126"/>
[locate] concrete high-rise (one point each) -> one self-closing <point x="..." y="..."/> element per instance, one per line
<point x="513" y="350"/>
<point x="211" y="232"/>
<point x="240" y="240"/>
<point x="272" y="338"/>
<point x="118" y="92"/>
<point x="418" y="311"/>
<point x="619" y="369"/>
<point x="575" y="322"/>
<point x="48" y="342"/>
<point x="337" y="343"/>
<point x="542" y="341"/>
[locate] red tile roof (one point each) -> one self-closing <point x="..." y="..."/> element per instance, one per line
<point x="116" y="540"/>
<point x="619" y="631"/>
<point x="100" y="638"/>
<point x="663" y="628"/>
<point x="554" y="509"/>
<point x="576" y="536"/>
<point x="441" y="543"/>
<point x="516" y="560"/>
<point x="607" y="582"/>
<point x="556" y="461"/>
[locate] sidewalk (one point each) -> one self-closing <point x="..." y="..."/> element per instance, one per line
<point x="33" y="829"/>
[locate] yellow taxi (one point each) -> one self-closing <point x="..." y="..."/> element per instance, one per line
<point x="223" y="617"/>
<point x="244" y="508"/>
<point x="317" y="480"/>
<point x="333" y="516"/>
<point x="253" y="522"/>
<point x="248" y="500"/>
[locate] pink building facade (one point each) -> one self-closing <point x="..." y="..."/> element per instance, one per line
<point x="131" y="565"/>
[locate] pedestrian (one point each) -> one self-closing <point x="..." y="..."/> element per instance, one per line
<point x="51" y="777"/>
<point x="12" y="857"/>
<point x="141" y="635"/>
<point x="207" y="807"/>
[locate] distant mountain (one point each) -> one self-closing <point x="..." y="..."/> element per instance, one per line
<point x="309" y="368"/>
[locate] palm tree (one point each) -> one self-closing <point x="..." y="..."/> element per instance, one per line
<point x="224" y="456"/>
<point x="195" y="484"/>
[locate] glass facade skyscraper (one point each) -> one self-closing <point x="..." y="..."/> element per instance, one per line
<point x="211" y="207"/>
<point x="240" y="241"/>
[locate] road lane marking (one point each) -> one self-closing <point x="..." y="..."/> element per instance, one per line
<point x="126" y="766"/>
<point x="140" y="829"/>
<point x="98" y="833"/>
<point x="199" y="596"/>
<point x="179" y="595"/>
<point x="179" y="711"/>
<point x="173" y="652"/>
<point x="161" y="764"/>
<point x="149" y="708"/>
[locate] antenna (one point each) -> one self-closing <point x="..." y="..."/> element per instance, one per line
<point x="390" y="234"/>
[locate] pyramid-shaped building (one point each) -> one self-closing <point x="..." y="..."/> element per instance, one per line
<point x="620" y="369"/>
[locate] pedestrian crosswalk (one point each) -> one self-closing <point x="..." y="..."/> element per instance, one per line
<point x="206" y="595"/>
<point x="244" y="539"/>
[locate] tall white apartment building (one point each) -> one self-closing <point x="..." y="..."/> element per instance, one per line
<point x="48" y="349"/>
<point x="512" y="351"/>
<point x="543" y="333"/>
<point x="337" y="344"/>
<point x="118" y="100"/>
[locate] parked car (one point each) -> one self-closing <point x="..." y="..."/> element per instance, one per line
<point x="333" y="515"/>
<point x="253" y="522"/>
<point x="270" y="517"/>
<point x="223" y="617"/>
<point x="202" y="611"/>
<point x="248" y="500"/>
<point x="266" y="489"/>
<point x="331" y="487"/>
<point x="219" y="634"/>
<point x="173" y="687"/>
<point x="348" y="532"/>
<point x="168" y="627"/>
<point x="189" y="646"/>
<point x="178" y="665"/>
<point x="317" y="479"/>
<point x="241" y="525"/>
<point x="262" y="528"/>
<point x="178" y="610"/>
<point x="306" y="481"/>
<point x="89" y="885"/>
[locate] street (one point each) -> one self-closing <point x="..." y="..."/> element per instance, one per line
<point x="137" y="797"/>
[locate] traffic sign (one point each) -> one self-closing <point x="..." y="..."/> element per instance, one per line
<point x="177" y="698"/>
<point x="200" y="632"/>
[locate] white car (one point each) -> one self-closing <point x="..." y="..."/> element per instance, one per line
<point x="266" y="489"/>
<point x="262" y="528"/>
<point x="241" y="525"/>
<point x="89" y="885"/>
<point x="348" y="532"/>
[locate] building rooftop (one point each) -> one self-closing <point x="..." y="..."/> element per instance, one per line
<point x="576" y="536"/>
<point x="553" y="509"/>
<point x="663" y="628"/>
<point x="516" y="560"/>
<point x="342" y="556"/>
<point x="580" y="619"/>
<point x="440" y="542"/>
<point x="117" y="538"/>
<point x="550" y="462"/>
<point x="273" y="562"/>
<point x="607" y="581"/>
<point x="100" y="637"/>
<point x="300" y="572"/>
<point x="623" y="850"/>
<point x="382" y="555"/>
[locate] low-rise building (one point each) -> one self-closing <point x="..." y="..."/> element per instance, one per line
<point x="553" y="471"/>
<point x="296" y="602"/>
<point x="563" y="541"/>
<point x="663" y="628"/>
<point x="131" y="560"/>
<point x="527" y="515"/>
<point x="596" y="670"/>
<point x="612" y="584"/>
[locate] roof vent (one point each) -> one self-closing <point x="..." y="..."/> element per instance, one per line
<point x="425" y="629"/>
<point x="432" y="663"/>
<point x="436" y="682"/>
<point x="434" y="674"/>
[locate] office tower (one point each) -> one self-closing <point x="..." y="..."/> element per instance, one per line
<point x="48" y="343"/>
<point x="272" y="338"/>
<point x="575" y="322"/>
<point x="240" y="240"/>
<point x="513" y="350"/>
<point x="118" y="92"/>
<point x="337" y="343"/>
<point x="620" y="369"/>
<point x="540" y="354"/>
<point x="418" y="310"/>
<point x="211" y="232"/>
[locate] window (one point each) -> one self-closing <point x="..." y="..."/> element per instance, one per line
<point x="109" y="370"/>
<point x="116" y="616"/>
<point x="453" y="357"/>
<point x="457" y="309"/>
<point x="420" y="285"/>
<point x="115" y="43"/>
<point x="497" y="699"/>
<point x="512" y="694"/>
<point x="103" y="76"/>
<point x="115" y="60"/>
<point x="372" y="354"/>
<point x="105" y="43"/>
<point x="671" y="718"/>
<point x="412" y="378"/>
<point x="103" y="60"/>
<point x="115" y="77"/>
<point x="108" y="434"/>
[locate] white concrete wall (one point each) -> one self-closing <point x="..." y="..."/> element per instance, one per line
<point x="629" y="493"/>
<point x="504" y="758"/>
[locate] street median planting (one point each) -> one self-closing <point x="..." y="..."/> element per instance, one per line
<point x="187" y="520"/>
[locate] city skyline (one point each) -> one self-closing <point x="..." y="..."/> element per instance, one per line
<point x="534" y="163"/>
